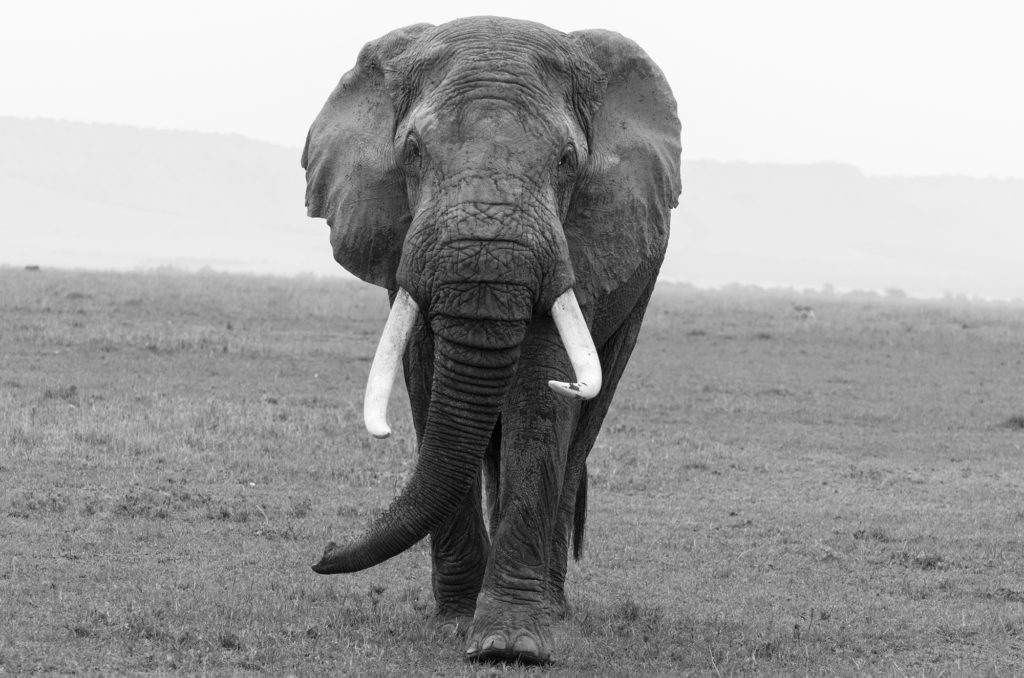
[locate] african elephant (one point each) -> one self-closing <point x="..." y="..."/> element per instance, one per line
<point x="510" y="186"/>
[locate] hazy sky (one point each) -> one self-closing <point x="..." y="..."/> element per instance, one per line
<point x="893" y="87"/>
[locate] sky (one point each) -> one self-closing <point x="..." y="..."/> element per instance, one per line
<point x="897" y="87"/>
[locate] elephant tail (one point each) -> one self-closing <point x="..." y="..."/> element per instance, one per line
<point x="579" y="519"/>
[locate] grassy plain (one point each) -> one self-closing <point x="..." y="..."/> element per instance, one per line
<point x="771" y="495"/>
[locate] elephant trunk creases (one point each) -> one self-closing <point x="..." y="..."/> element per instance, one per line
<point x="482" y="316"/>
<point x="459" y="424"/>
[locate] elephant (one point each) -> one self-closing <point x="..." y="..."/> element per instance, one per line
<point x="510" y="186"/>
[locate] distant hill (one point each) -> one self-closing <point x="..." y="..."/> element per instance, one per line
<point x="105" y="196"/>
<point x="806" y="225"/>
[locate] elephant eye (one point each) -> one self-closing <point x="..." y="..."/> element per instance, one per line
<point x="412" y="154"/>
<point x="567" y="160"/>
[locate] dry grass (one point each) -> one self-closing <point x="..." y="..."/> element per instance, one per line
<point x="771" y="495"/>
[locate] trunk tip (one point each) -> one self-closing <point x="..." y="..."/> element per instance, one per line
<point x="326" y="565"/>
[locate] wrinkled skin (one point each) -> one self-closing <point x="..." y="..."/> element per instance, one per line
<point x="486" y="166"/>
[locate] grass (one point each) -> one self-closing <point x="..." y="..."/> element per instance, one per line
<point x="771" y="495"/>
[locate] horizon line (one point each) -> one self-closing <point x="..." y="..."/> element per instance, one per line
<point x="938" y="174"/>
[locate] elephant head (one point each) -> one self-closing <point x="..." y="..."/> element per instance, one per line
<point x="486" y="172"/>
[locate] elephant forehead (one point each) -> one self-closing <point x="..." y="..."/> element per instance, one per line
<point x="485" y="192"/>
<point x="483" y="39"/>
<point x="494" y="228"/>
<point x="486" y="58"/>
<point x="494" y="140"/>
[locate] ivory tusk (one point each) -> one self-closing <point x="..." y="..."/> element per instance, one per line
<point x="572" y="328"/>
<point x="386" y="362"/>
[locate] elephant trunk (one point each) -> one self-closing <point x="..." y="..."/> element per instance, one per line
<point x="469" y="385"/>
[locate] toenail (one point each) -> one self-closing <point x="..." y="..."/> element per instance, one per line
<point x="493" y="642"/>
<point x="526" y="645"/>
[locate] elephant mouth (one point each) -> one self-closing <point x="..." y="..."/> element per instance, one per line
<point x="572" y="329"/>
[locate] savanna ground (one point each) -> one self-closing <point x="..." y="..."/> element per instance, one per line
<point x="771" y="495"/>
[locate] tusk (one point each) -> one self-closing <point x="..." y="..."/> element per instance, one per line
<point x="572" y="328"/>
<point x="386" y="362"/>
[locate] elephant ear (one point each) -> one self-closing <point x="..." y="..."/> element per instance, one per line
<point x="618" y="223"/>
<point x="352" y="179"/>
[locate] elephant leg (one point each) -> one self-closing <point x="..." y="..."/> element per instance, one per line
<point x="614" y="355"/>
<point x="573" y="499"/>
<point x="458" y="546"/>
<point x="514" y="613"/>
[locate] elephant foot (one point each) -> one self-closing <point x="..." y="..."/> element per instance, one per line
<point x="520" y="645"/>
<point x="510" y="634"/>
